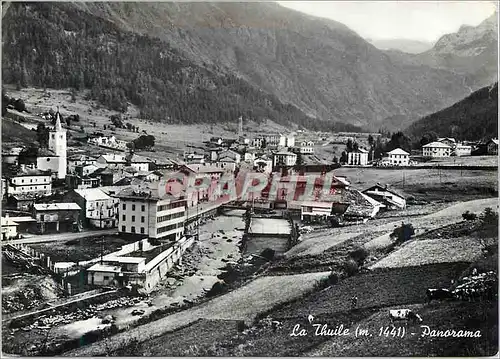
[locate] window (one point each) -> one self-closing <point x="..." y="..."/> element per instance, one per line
<point x="143" y="208"/>
<point x="124" y="206"/>
<point x="142" y="232"/>
<point x="123" y="229"/>
<point x="133" y="207"/>
<point x="106" y="277"/>
<point x="53" y="136"/>
<point x="133" y="218"/>
<point x="142" y="219"/>
<point x="132" y="229"/>
<point x="123" y="218"/>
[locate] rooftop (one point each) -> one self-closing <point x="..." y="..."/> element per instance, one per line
<point x="92" y="194"/>
<point x="398" y="151"/>
<point x="56" y="206"/>
<point x="114" y="158"/>
<point x="436" y="145"/>
<point x="7" y="221"/>
<point x="98" y="267"/>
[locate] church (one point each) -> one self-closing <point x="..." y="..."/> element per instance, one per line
<point x="54" y="159"/>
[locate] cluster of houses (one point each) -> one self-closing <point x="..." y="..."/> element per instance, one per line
<point x="57" y="193"/>
<point x="441" y="148"/>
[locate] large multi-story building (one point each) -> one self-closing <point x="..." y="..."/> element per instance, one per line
<point x="436" y="149"/>
<point x="99" y="210"/>
<point x="30" y="181"/>
<point x="144" y="212"/>
<point x="399" y="157"/>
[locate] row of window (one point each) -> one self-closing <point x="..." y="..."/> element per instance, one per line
<point x="132" y="229"/>
<point x="169" y="217"/>
<point x="169" y="228"/>
<point x="31" y="188"/>
<point x="170" y="206"/>
<point x="143" y="207"/>
<point x="124" y="218"/>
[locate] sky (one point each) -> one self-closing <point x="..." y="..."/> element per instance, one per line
<point x="415" y="20"/>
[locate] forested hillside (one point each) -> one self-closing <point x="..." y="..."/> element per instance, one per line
<point x="58" y="46"/>
<point x="473" y="118"/>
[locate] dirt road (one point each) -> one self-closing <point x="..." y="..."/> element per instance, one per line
<point x="37" y="238"/>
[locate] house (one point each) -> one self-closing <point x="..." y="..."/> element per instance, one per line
<point x="399" y="157"/>
<point x="140" y="163"/>
<point x="462" y="150"/>
<point x="285" y="158"/>
<point x="143" y="211"/>
<point x="257" y="142"/>
<point x="142" y="269"/>
<point x="263" y="164"/>
<point x="216" y="140"/>
<point x="436" y="150"/>
<point x="9" y="228"/>
<point x="30" y="181"/>
<point x="59" y="217"/>
<point x="194" y="157"/>
<point x="357" y="157"/>
<point x="227" y="163"/>
<point x="249" y="156"/>
<point x="492" y="147"/>
<point x="450" y="141"/>
<point x="75" y="181"/>
<point x="273" y="139"/>
<point x="98" y="209"/>
<point x="313" y="211"/>
<point x="112" y="160"/>
<point x="11" y="155"/>
<point x="389" y="198"/>
<point x="23" y="201"/>
<point x="288" y="141"/>
<point x="108" y="142"/>
<point x="230" y="154"/>
<point x="80" y="160"/>
<point x="304" y="147"/>
<point x="86" y="169"/>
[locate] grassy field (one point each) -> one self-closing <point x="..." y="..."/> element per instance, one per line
<point x="438" y="316"/>
<point x="427" y="184"/>
<point x="432" y="251"/>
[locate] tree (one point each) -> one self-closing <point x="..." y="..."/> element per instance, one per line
<point x="399" y="140"/>
<point x="343" y="157"/>
<point x="371" y="141"/>
<point x="300" y="160"/>
<point x="349" y="145"/>
<point x="355" y="146"/>
<point x="403" y="233"/>
<point x="335" y="159"/>
<point x="428" y="138"/>
<point x="42" y="135"/>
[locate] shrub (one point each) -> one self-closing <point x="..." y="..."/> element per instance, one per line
<point x="403" y="233"/>
<point x="359" y="255"/>
<point x="489" y="216"/>
<point x="268" y="254"/>
<point x="350" y="267"/>
<point x="333" y="278"/>
<point x="469" y="216"/>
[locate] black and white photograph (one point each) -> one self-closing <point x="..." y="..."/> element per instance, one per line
<point x="249" y="179"/>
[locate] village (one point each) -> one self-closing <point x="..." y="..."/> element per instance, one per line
<point x="119" y="237"/>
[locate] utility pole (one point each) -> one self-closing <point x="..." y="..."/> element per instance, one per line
<point x="102" y="238"/>
<point x="403" y="179"/>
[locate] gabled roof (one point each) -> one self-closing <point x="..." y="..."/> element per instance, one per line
<point x="398" y="151"/>
<point x="436" y="145"/>
<point x="494" y="140"/>
<point x="56" y="206"/>
<point x="285" y="153"/>
<point x="446" y="138"/>
<point x="383" y="189"/>
<point x="92" y="194"/>
<point x="114" y="158"/>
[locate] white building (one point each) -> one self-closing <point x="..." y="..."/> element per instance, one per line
<point x="462" y="150"/>
<point x="285" y="158"/>
<point x="30" y="181"/>
<point x="55" y="160"/>
<point x="358" y="157"/>
<point x="79" y="160"/>
<point x="304" y="147"/>
<point x="389" y="198"/>
<point x="450" y="141"/>
<point x="263" y="164"/>
<point x="109" y="142"/>
<point x="143" y="212"/>
<point x="138" y="162"/>
<point x="399" y="157"/>
<point x="112" y="160"/>
<point x="436" y="150"/>
<point x="9" y="228"/>
<point x="230" y="154"/>
<point x="99" y="210"/>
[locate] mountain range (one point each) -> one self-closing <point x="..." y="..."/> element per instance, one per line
<point x="404" y="45"/>
<point x="473" y="118"/>
<point x="286" y="64"/>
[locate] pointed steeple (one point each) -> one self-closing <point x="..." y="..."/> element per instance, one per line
<point x="58" y="121"/>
